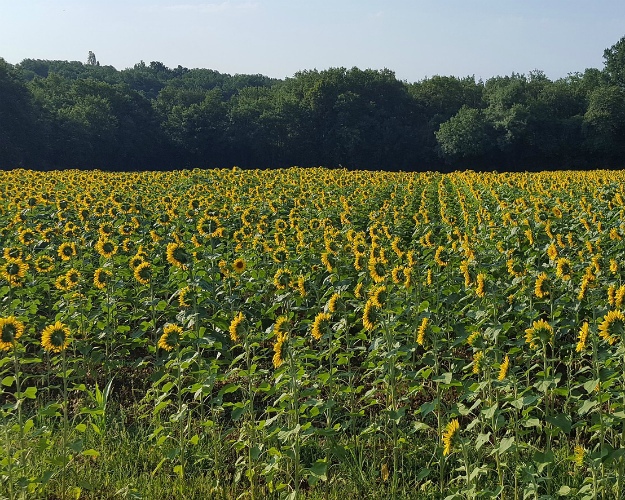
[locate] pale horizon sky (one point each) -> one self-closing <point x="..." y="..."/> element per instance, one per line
<point x="416" y="39"/>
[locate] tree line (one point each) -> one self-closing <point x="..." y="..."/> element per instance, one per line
<point x="67" y="114"/>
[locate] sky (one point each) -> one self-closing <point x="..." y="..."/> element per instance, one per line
<point x="416" y="39"/>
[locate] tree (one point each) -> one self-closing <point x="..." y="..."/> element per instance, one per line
<point x="91" y="60"/>
<point x="604" y="124"/>
<point x="464" y="136"/>
<point x="19" y="134"/>
<point x="614" y="63"/>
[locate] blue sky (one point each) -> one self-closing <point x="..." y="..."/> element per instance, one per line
<point x="416" y="39"/>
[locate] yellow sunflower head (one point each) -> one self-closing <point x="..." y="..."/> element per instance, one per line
<point x="14" y="270"/>
<point x="239" y="265"/>
<point x="11" y="329"/>
<point x="171" y="337"/>
<point x="101" y="278"/>
<point x="56" y="337"/>
<point x="612" y="327"/>
<point x="67" y="250"/>
<point x="143" y="273"/>
<point x="177" y="256"/>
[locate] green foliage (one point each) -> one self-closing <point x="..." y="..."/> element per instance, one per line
<point x="67" y="114"/>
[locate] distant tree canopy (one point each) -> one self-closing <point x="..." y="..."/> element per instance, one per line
<point x="67" y="114"/>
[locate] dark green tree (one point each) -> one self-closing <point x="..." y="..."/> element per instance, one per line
<point x="614" y="63"/>
<point x="465" y="135"/>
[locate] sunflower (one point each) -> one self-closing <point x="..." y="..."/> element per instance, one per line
<point x="582" y="337"/>
<point x="471" y="339"/>
<point x="422" y="330"/>
<point x="613" y="266"/>
<point x="234" y="326"/>
<point x="55" y="337"/>
<point x="208" y="226"/>
<point x="183" y="296"/>
<point x="332" y="303"/>
<point x="44" y="264"/>
<point x="106" y="230"/>
<point x="62" y="284"/>
<point x="26" y="237"/>
<point x="177" y="256"/>
<point x="429" y="278"/>
<point x="329" y="260"/>
<point x="377" y="270"/>
<point x="280" y="225"/>
<point x="395" y="247"/>
<point x="136" y="260"/>
<point x="282" y="278"/>
<point x="170" y="338"/>
<point x="539" y="288"/>
<point x="478" y="358"/>
<point x="280" y="339"/>
<point x="451" y="430"/>
<point x="464" y="269"/>
<point x="410" y="258"/>
<point x="143" y="273"/>
<point x="11" y="329"/>
<point x="359" y="261"/>
<point x="359" y="246"/>
<point x="540" y="330"/>
<point x="101" y="278"/>
<point x="331" y="245"/>
<point x="73" y="277"/>
<point x="280" y="254"/>
<point x="612" y="327"/>
<point x="277" y="349"/>
<point x="563" y="269"/>
<point x="106" y="248"/>
<point x="67" y="251"/>
<point x="619" y="296"/>
<point x="12" y="253"/>
<point x="401" y="275"/>
<point x="13" y="270"/>
<point x="578" y="455"/>
<point x="480" y="280"/>
<point x="368" y="315"/>
<point x="358" y="290"/>
<point x="552" y="252"/>
<point x="503" y="369"/>
<point x="438" y="256"/>
<point x="515" y="269"/>
<point x="300" y="286"/>
<point x="378" y="253"/>
<point x="317" y="326"/>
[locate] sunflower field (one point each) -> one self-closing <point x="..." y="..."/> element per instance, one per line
<point x="312" y="333"/>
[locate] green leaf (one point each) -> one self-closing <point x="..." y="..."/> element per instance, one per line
<point x="481" y="440"/>
<point x="490" y="412"/>
<point x="228" y="388"/>
<point x="319" y="469"/>
<point x="426" y="408"/>
<point x="7" y="381"/>
<point x="587" y="406"/>
<point x="505" y="444"/>
<point x="30" y="393"/>
<point x="590" y="386"/>
<point x="91" y="453"/>
<point x="76" y="446"/>
<point x="445" y="378"/>
<point x="561" y="421"/>
<point x="564" y="490"/>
